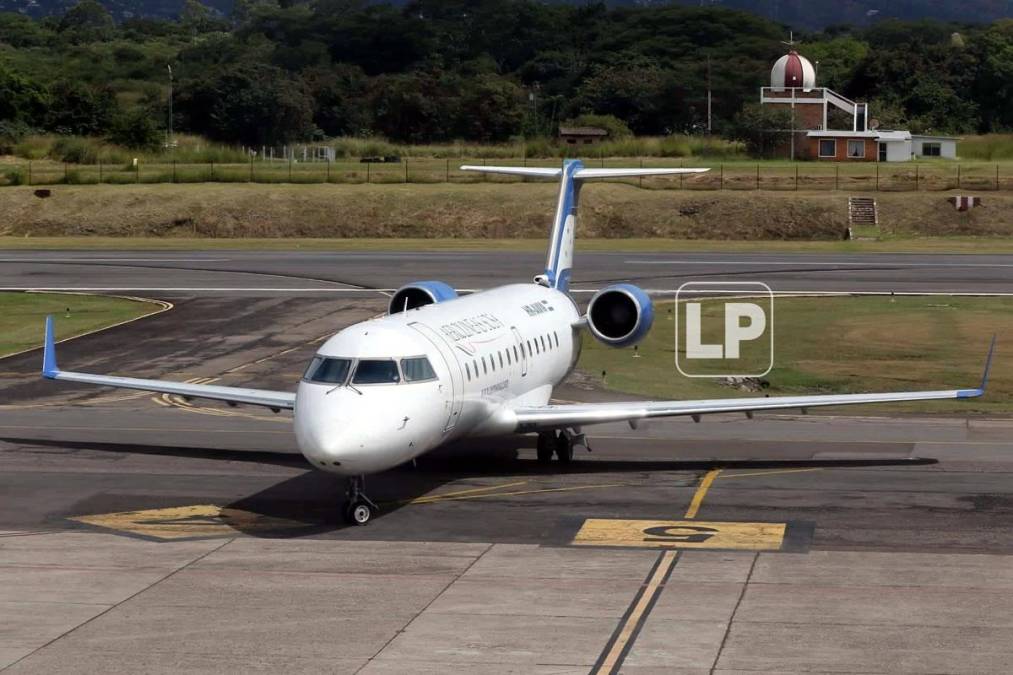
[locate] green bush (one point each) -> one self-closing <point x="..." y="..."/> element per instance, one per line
<point x="14" y="177"/>
<point x="616" y="127"/>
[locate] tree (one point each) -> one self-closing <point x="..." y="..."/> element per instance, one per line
<point x="21" y="99"/>
<point x="491" y="109"/>
<point x="135" y="129"/>
<point x="87" y="21"/>
<point x="418" y="107"/>
<point x="249" y="103"/>
<point x="80" y="109"/>
<point x="763" y="129"/>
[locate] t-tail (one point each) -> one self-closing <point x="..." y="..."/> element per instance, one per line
<point x="573" y="173"/>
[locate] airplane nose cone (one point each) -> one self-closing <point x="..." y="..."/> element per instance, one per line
<point x="352" y="434"/>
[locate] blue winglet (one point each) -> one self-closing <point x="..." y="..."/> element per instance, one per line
<point x="972" y="393"/>
<point x="49" y="367"/>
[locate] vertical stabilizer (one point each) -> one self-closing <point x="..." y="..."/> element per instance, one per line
<point x="559" y="262"/>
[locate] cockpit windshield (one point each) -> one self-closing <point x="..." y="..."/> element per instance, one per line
<point x="339" y="371"/>
<point x="327" y="370"/>
<point x="376" y="371"/>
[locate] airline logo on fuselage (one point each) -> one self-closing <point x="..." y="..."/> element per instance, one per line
<point x="536" y="308"/>
<point x="471" y="327"/>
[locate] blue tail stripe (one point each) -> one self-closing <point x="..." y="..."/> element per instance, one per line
<point x="49" y="367"/>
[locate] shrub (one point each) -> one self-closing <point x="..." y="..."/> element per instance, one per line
<point x="14" y="177"/>
<point x="616" y="127"/>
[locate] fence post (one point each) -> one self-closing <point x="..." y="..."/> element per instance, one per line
<point x="837" y="177"/>
<point x="212" y="170"/>
<point x="640" y="180"/>
<point x="997" y="177"/>
<point x="174" y="171"/>
<point x="877" y="176"/>
<point x="328" y="170"/>
<point x="367" y="171"/>
<point x="29" y="172"/>
<point x="757" y="176"/>
<point x="251" y="168"/>
<point x="796" y="177"/>
<point x="290" y="169"/>
<point x="100" y="172"/>
<point x="405" y="169"/>
<point x="65" y="173"/>
<point x="137" y="172"/>
<point x="721" y="178"/>
<point x="917" y="178"/>
<point x="958" y="176"/>
<point x="446" y="175"/>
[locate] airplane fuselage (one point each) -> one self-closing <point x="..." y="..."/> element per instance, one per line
<point x="488" y="352"/>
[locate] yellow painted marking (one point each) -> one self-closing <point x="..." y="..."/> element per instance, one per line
<point x="444" y="495"/>
<point x="701" y="492"/>
<point x="681" y="534"/>
<point x="768" y="473"/>
<point x="653" y="587"/>
<point x="181" y="522"/>
<point x="432" y="500"/>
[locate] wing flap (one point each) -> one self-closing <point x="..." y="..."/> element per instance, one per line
<point x="263" y="397"/>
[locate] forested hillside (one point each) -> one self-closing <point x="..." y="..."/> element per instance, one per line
<point x="480" y="70"/>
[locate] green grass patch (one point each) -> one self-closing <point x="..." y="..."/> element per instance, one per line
<point x="22" y="316"/>
<point x="841" y="345"/>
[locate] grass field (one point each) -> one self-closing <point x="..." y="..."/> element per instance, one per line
<point x="734" y="174"/>
<point x="842" y="345"/>
<point x="22" y="316"/>
<point x="486" y="211"/>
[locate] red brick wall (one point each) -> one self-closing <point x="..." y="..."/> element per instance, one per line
<point x="812" y="150"/>
<point x="808" y="116"/>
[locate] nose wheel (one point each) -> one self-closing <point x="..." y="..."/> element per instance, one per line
<point x="359" y="509"/>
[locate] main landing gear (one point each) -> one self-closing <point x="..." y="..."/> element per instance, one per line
<point x="359" y="508"/>
<point x="559" y="444"/>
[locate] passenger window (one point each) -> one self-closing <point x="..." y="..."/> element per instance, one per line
<point x="556" y="336"/>
<point x="485" y="368"/>
<point x="376" y="372"/>
<point x="500" y="354"/>
<point x="467" y="369"/>
<point x="530" y="351"/>
<point x="509" y="362"/>
<point x="542" y="338"/>
<point x="327" y="370"/>
<point x="417" y="369"/>
<point x="516" y="356"/>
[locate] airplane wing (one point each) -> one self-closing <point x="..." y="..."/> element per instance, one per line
<point x="534" y="418"/>
<point x="539" y="172"/>
<point x="276" y="400"/>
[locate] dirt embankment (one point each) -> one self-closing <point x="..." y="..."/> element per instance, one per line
<point x="477" y="211"/>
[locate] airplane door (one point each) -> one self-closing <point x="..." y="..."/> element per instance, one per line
<point x="520" y="346"/>
<point x="456" y="383"/>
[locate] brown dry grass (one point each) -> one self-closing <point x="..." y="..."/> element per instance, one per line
<point x="479" y="211"/>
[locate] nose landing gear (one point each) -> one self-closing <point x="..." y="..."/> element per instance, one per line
<point x="359" y="509"/>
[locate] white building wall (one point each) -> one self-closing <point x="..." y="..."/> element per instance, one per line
<point x="947" y="146"/>
<point x="898" y="151"/>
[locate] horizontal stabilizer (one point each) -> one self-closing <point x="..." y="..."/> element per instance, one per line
<point x="632" y="173"/>
<point x="580" y="174"/>
<point x="531" y="171"/>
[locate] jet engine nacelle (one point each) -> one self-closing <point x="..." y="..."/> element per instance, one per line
<point x="418" y="294"/>
<point x="620" y="315"/>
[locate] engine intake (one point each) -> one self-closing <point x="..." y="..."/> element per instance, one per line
<point x="620" y="315"/>
<point x="419" y="294"/>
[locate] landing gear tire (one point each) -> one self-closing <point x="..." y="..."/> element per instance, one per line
<point x="546" y="446"/>
<point x="359" y="508"/>
<point x="564" y="448"/>
<point x="358" y="513"/>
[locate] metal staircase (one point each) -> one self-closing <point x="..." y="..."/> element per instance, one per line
<point x="862" y="211"/>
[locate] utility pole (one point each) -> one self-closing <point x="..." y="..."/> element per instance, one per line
<point x="169" y="141"/>
<point x="709" y="128"/>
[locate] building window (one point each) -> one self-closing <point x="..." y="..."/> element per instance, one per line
<point x="856" y="149"/>
<point x="828" y="147"/>
<point x="882" y="152"/>
<point x="932" y="149"/>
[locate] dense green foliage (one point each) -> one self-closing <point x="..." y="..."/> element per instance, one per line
<point x="481" y="70"/>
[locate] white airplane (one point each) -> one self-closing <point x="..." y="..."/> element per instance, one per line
<point x="440" y="366"/>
